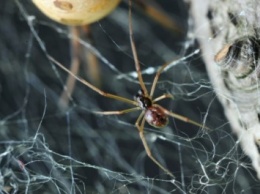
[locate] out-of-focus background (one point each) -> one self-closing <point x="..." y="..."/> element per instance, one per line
<point x="49" y="147"/>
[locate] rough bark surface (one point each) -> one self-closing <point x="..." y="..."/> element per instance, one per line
<point x="228" y="34"/>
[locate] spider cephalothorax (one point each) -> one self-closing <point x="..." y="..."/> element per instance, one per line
<point x="143" y="101"/>
<point x="154" y="114"/>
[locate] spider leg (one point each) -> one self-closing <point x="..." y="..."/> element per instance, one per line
<point x="184" y="119"/>
<point x="163" y="97"/>
<point x="118" y="112"/>
<point x="147" y="149"/>
<point x="160" y="70"/>
<point x="137" y="65"/>
<point x="92" y="86"/>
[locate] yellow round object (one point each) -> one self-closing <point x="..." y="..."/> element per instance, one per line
<point x="76" y="12"/>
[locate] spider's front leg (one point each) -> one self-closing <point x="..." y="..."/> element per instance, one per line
<point x="92" y="87"/>
<point x="163" y="97"/>
<point x="117" y="112"/>
<point x="147" y="149"/>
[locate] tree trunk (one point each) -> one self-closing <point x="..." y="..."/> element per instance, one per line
<point x="227" y="32"/>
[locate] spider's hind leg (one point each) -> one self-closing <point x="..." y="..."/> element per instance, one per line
<point x="147" y="149"/>
<point x="184" y="119"/>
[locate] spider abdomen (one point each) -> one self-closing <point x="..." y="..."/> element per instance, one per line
<point x="156" y="117"/>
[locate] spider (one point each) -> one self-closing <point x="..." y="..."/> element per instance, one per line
<point x="152" y="113"/>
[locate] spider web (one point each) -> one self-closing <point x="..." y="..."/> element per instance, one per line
<point x="47" y="149"/>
